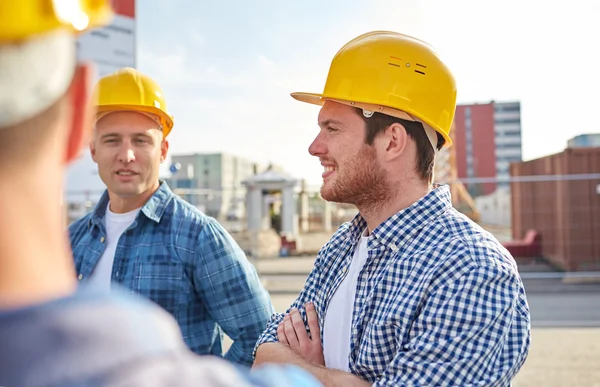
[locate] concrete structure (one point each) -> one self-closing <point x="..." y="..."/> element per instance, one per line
<point x="316" y="208"/>
<point x="265" y="191"/>
<point x="215" y="182"/>
<point x="487" y="140"/>
<point x="495" y="208"/>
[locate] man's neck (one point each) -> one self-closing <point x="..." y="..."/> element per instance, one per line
<point x="35" y="261"/>
<point x="399" y="199"/>
<point x="122" y="205"/>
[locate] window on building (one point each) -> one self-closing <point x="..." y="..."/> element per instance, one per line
<point x="507" y="107"/>
<point x="514" y="120"/>
<point x="512" y="132"/>
<point x="511" y="108"/>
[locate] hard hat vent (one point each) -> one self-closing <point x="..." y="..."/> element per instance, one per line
<point x="421" y="69"/>
<point x="395" y="62"/>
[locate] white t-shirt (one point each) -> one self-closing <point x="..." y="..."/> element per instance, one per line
<point x="338" y="318"/>
<point x="115" y="225"/>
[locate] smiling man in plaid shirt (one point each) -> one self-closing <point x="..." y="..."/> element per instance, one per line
<point x="144" y="237"/>
<point x="410" y="292"/>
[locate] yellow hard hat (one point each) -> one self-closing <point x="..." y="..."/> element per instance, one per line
<point x="22" y="19"/>
<point x="128" y="89"/>
<point x="393" y="74"/>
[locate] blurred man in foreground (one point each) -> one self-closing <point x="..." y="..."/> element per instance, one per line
<point x="50" y="333"/>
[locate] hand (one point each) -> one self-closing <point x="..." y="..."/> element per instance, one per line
<point x="292" y="332"/>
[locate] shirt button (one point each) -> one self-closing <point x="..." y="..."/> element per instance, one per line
<point x="102" y="240"/>
<point x="80" y="277"/>
<point x="344" y="270"/>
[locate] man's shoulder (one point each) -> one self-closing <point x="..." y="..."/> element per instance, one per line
<point x="123" y="339"/>
<point x="183" y="211"/>
<point x="460" y="242"/>
<point x="184" y="217"/>
<point x="187" y="369"/>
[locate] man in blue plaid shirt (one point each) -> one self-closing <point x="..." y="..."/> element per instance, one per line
<point x="147" y="239"/>
<point x="410" y="292"/>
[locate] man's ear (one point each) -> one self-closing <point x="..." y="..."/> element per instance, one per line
<point x="164" y="149"/>
<point x="394" y="141"/>
<point x="79" y="95"/>
<point x="93" y="149"/>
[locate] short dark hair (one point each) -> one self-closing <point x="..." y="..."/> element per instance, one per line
<point x="379" y="122"/>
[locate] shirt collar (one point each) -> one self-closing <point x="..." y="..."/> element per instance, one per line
<point x="402" y="225"/>
<point x="154" y="208"/>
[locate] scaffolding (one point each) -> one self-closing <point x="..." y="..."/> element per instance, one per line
<point x="446" y="172"/>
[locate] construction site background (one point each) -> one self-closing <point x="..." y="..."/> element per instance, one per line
<point x="531" y="217"/>
<point x="547" y="210"/>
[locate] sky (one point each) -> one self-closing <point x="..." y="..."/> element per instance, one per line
<point x="227" y="68"/>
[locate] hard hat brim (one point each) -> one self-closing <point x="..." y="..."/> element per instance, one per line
<point x="319" y="99"/>
<point x="168" y="120"/>
<point x="312" y="98"/>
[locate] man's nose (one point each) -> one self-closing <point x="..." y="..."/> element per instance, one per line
<point x="126" y="155"/>
<point x="317" y="147"/>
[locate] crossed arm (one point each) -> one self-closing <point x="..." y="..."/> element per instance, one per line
<point x="473" y="331"/>
<point x="295" y="346"/>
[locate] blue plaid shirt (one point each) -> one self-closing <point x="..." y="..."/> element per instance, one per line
<point x="438" y="302"/>
<point x="188" y="264"/>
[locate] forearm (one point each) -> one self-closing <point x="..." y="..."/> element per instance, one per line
<point x="269" y="335"/>
<point x="279" y="353"/>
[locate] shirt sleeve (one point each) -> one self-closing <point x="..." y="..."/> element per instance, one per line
<point x="231" y="290"/>
<point x="312" y="285"/>
<point x="474" y="331"/>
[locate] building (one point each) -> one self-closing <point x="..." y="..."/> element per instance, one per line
<point x="590" y="140"/>
<point x="487" y="139"/>
<point x="213" y="182"/>
<point x="564" y="211"/>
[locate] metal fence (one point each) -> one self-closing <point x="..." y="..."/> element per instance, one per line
<point x="562" y="209"/>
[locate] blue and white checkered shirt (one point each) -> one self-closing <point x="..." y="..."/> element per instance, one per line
<point x="188" y="264"/>
<point x="439" y="301"/>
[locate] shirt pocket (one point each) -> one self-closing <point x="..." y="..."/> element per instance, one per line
<point x="378" y="347"/>
<point x="161" y="282"/>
